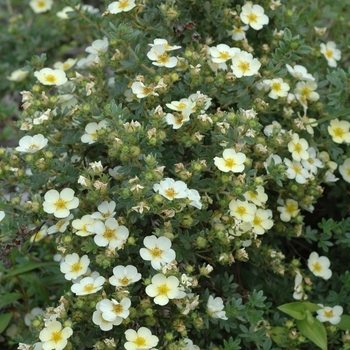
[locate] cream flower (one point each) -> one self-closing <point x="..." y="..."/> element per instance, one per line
<point x="54" y="337"/>
<point x="215" y="308"/>
<point x="18" y="75"/>
<point x="104" y="324"/>
<point x="74" y="266"/>
<point x="140" y="339"/>
<point x="344" y="170"/>
<point x="160" y="58"/>
<point x="298" y="148"/>
<point x="329" y="314"/>
<point x="299" y="72"/>
<point x="157" y="251"/>
<point x="262" y="221"/>
<point x="278" y="88"/>
<point x="63" y="14"/>
<point x="319" y="266"/>
<point x="244" y="211"/>
<point x="91" y="130"/>
<point x="339" y="130"/>
<point x="40" y="6"/>
<point x="141" y="90"/>
<point x="88" y="285"/>
<point x="69" y="63"/>
<point x="176" y="120"/>
<point x="48" y="76"/>
<point x="165" y="43"/>
<point x="121" y="6"/>
<point x="331" y="53"/>
<point x="32" y="144"/>
<point x="254" y="16"/>
<point x="124" y="276"/>
<point x="109" y="233"/>
<point x="243" y="64"/>
<point x="185" y="106"/>
<point x="98" y="47"/>
<point x="113" y="310"/>
<point x="288" y="209"/>
<point x="298" y="288"/>
<point x="259" y="198"/>
<point x="164" y="288"/>
<point x="222" y="52"/>
<point x="231" y="161"/>
<point x="60" y="225"/>
<point x="105" y="210"/>
<point x="171" y="189"/>
<point x="312" y="163"/>
<point x="238" y="33"/>
<point x="59" y="204"/>
<point x="2" y="215"/>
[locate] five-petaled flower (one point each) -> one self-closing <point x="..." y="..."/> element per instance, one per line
<point x="48" y="76"/>
<point x="121" y="6"/>
<point x="319" y="266"/>
<point x="32" y="144"/>
<point x="74" y="266"/>
<point x="339" y="130"/>
<point x="124" y="276"/>
<point x="140" y="339"/>
<point x="60" y="203"/>
<point x="171" y="189"/>
<point x="243" y="64"/>
<point x="329" y="314"/>
<point x="344" y="170"/>
<point x="230" y="161"/>
<point x="54" y="337"/>
<point x="254" y="16"/>
<point x="158" y="54"/>
<point x="215" y="308"/>
<point x="288" y="209"/>
<point x="331" y="53"/>
<point x="40" y="6"/>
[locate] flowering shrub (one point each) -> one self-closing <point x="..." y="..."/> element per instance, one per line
<point x="178" y="180"/>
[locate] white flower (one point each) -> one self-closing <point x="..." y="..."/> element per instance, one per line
<point x="32" y="144"/>
<point x="105" y="210"/>
<point x="186" y="106"/>
<point x="254" y="16"/>
<point x="124" y="276"/>
<point x="243" y="64"/>
<point x="238" y="33"/>
<point x="74" y="266"/>
<point x="339" y="130"/>
<point x="140" y="90"/>
<point x="42" y="117"/>
<point x="222" y="52"/>
<point x="259" y="198"/>
<point x="48" y="76"/>
<point x="60" y="225"/>
<point x="262" y="221"/>
<point x="296" y="171"/>
<point x="299" y="72"/>
<point x="18" y="75"/>
<point x="164" y="288"/>
<point x="215" y="308"/>
<point x="54" y="337"/>
<point x="69" y="63"/>
<point x="110" y="233"/>
<point x="165" y="43"/>
<point x="59" y="204"/>
<point x="344" y="170"/>
<point x="88" y="285"/>
<point x="63" y="14"/>
<point x="176" y="120"/>
<point x="244" y="211"/>
<point x="171" y="189"/>
<point x="33" y="313"/>
<point x="231" y="161"/>
<point x="194" y="198"/>
<point x="121" y="6"/>
<point x="331" y="53"/>
<point x="91" y="129"/>
<point x="278" y="88"/>
<point x="298" y="148"/>
<point x="140" y="339"/>
<point x="312" y="163"/>
<point x="319" y="266"/>
<point x="101" y="322"/>
<point x="329" y="314"/>
<point x="113" y="310"/>
<point x="288" y="209"/>
<point x="98" y="47"/>
<point x="305" y="91"/>
<point x="298" y="288"/>
<point x="2" y="215"/>
<point x="157" y="251"/>
<point x="159" y="55"/>
<point x="40" y="6"/>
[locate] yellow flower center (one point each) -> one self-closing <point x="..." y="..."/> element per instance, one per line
<point x="124" y="281"/>
<point x="252" y="17"/>
<point x="156" y="252"/>
<point x="41" y="3"/>
<point x="147" y="90"/>
<point x="56" y="337"/>
<point x="118" y="309"/>
<point x="181" y="105"/>
<point x="33" y="146"/>
<point x="66" y="66"/>
<point x="50" y="78"/>
<point x="338" y="132"/>
<point x="224" y="55"/>
<point x="290" y="208"/>
<point x="179" y="119"/>
<point x="252" y="194"/>
<point x="164" y="58"/>
<point x="60" y="224"/>
<point x="89" y="287"/>
<point x="230" y="162"/>
<point x="305" y="91"/>
<point x="329" y="313"/>
<point x="317" y="266"/>
<point x="170" y="192"/>
<point x="241" y="210"/>
<point x="76" y="267"/>
<point x="163" y="289"/>
<point x="276" y="87"/>
<point x="244" y="66"/>
<point x="140" y="341"/>
<point x="109" y="233"/>
<point x="61" y="204"/>
<point x="257" y="221"/>
<point x="329" y="53"/>
<point x="298" y="147"/>
<point x="123" y="4"/>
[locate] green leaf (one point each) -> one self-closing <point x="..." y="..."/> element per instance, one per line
<point x="287" y="34"/>
<point x="297" y="310"/>
<point x="8" y="299"/>
<point x="4" y="321"/>
<point x="314" y="330"/>
<point x="25" y="268"/>
<point x="279" y="335"/>
<point x="344" y="323"/>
